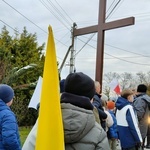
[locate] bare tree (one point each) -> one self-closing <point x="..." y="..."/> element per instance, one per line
<point x="126" y="80"/>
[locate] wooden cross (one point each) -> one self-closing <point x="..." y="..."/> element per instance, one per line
<point x="100" y="28"/>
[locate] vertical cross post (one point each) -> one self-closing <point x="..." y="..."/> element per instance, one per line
<point x="100" y="29"/>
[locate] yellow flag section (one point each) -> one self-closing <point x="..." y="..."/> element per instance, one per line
<point x="50" y="134"/>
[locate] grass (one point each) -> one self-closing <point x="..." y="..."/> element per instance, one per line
<point x="24" y="131"/>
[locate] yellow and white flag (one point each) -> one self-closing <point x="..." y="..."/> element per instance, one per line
<point x="50" y="134"/>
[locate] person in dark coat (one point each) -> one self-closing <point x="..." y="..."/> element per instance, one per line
<point x="9" y="134"/>
<point x="141" y="105"/>
<point x="97" y="102"/>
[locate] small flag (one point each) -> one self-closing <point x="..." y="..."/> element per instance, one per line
<point x="50" y="134"/>
<point x="35" y="99"/>
<point x="114" y="85"/>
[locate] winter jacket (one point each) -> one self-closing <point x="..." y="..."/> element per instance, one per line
<point x="81" y="132"/>
<point x="102" y="115"/>
<point x="96" y="114"/>
<point x="9" y="135"/>
<point x="141" y="105"/>
<point x="129" y="133"/>
<point x="112" y="130"/>
<point x="109" y="119"/>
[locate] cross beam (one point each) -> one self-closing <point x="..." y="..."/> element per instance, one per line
<point x="101" y="28"/>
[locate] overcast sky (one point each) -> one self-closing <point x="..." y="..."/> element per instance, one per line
<point x="126" y="49"/>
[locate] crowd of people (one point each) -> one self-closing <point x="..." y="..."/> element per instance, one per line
<point x="91" y="120"/>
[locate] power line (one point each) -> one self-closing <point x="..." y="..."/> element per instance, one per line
<point x="9" y="26"/>
<point x="64" y="11"/>
<point x="47" y="7"/>
<point x="24" y="16"/>
<point x="126" y="50"/>
<point x="118" y="57"/>
<point x="115" y="58"/>
<point x="113" y="9"/>
<point x="120" y="49"/>
<point x="85" y="44"/>
<point x="20" y="33"/>
<point x="128" y="61"/>
<point x="28" y="20"/>
<point x="63" y="36"/>
<point x="59" y="12"/>
<point x="110" y="6"/>
<point x="139" y="15"/>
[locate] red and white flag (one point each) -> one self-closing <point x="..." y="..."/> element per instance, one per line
<point x="114" y="85"/>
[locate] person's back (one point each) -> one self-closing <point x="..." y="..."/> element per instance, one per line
<point x="9" y="134"/>
<point x="129" y="133"/>
<point x="141" y="105"/>
<point x="81" y="131"/>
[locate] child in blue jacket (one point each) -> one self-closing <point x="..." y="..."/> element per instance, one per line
<point x="112" y="133"/>
<point x="9" y="135"/>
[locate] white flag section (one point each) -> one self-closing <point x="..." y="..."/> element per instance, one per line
<point x="35" y="99"/>
<point x="114" y="85"/>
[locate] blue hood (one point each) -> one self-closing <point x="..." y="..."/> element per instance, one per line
<point x="121" y="102"/>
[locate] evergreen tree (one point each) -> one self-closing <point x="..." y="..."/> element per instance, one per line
<point x="21" y="63"/>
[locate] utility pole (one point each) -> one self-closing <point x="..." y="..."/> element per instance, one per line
<point x="72" y="55"/>
<point x="71" y="48"/>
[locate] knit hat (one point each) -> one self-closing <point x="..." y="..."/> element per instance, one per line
<point x="6" y="93"/>
<point x="80" y="84"/>
<point x="114" y="99"/>
<point x="110" y="105"/>
<point x="104" y="97"/>
<point x="142" y="88"/>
